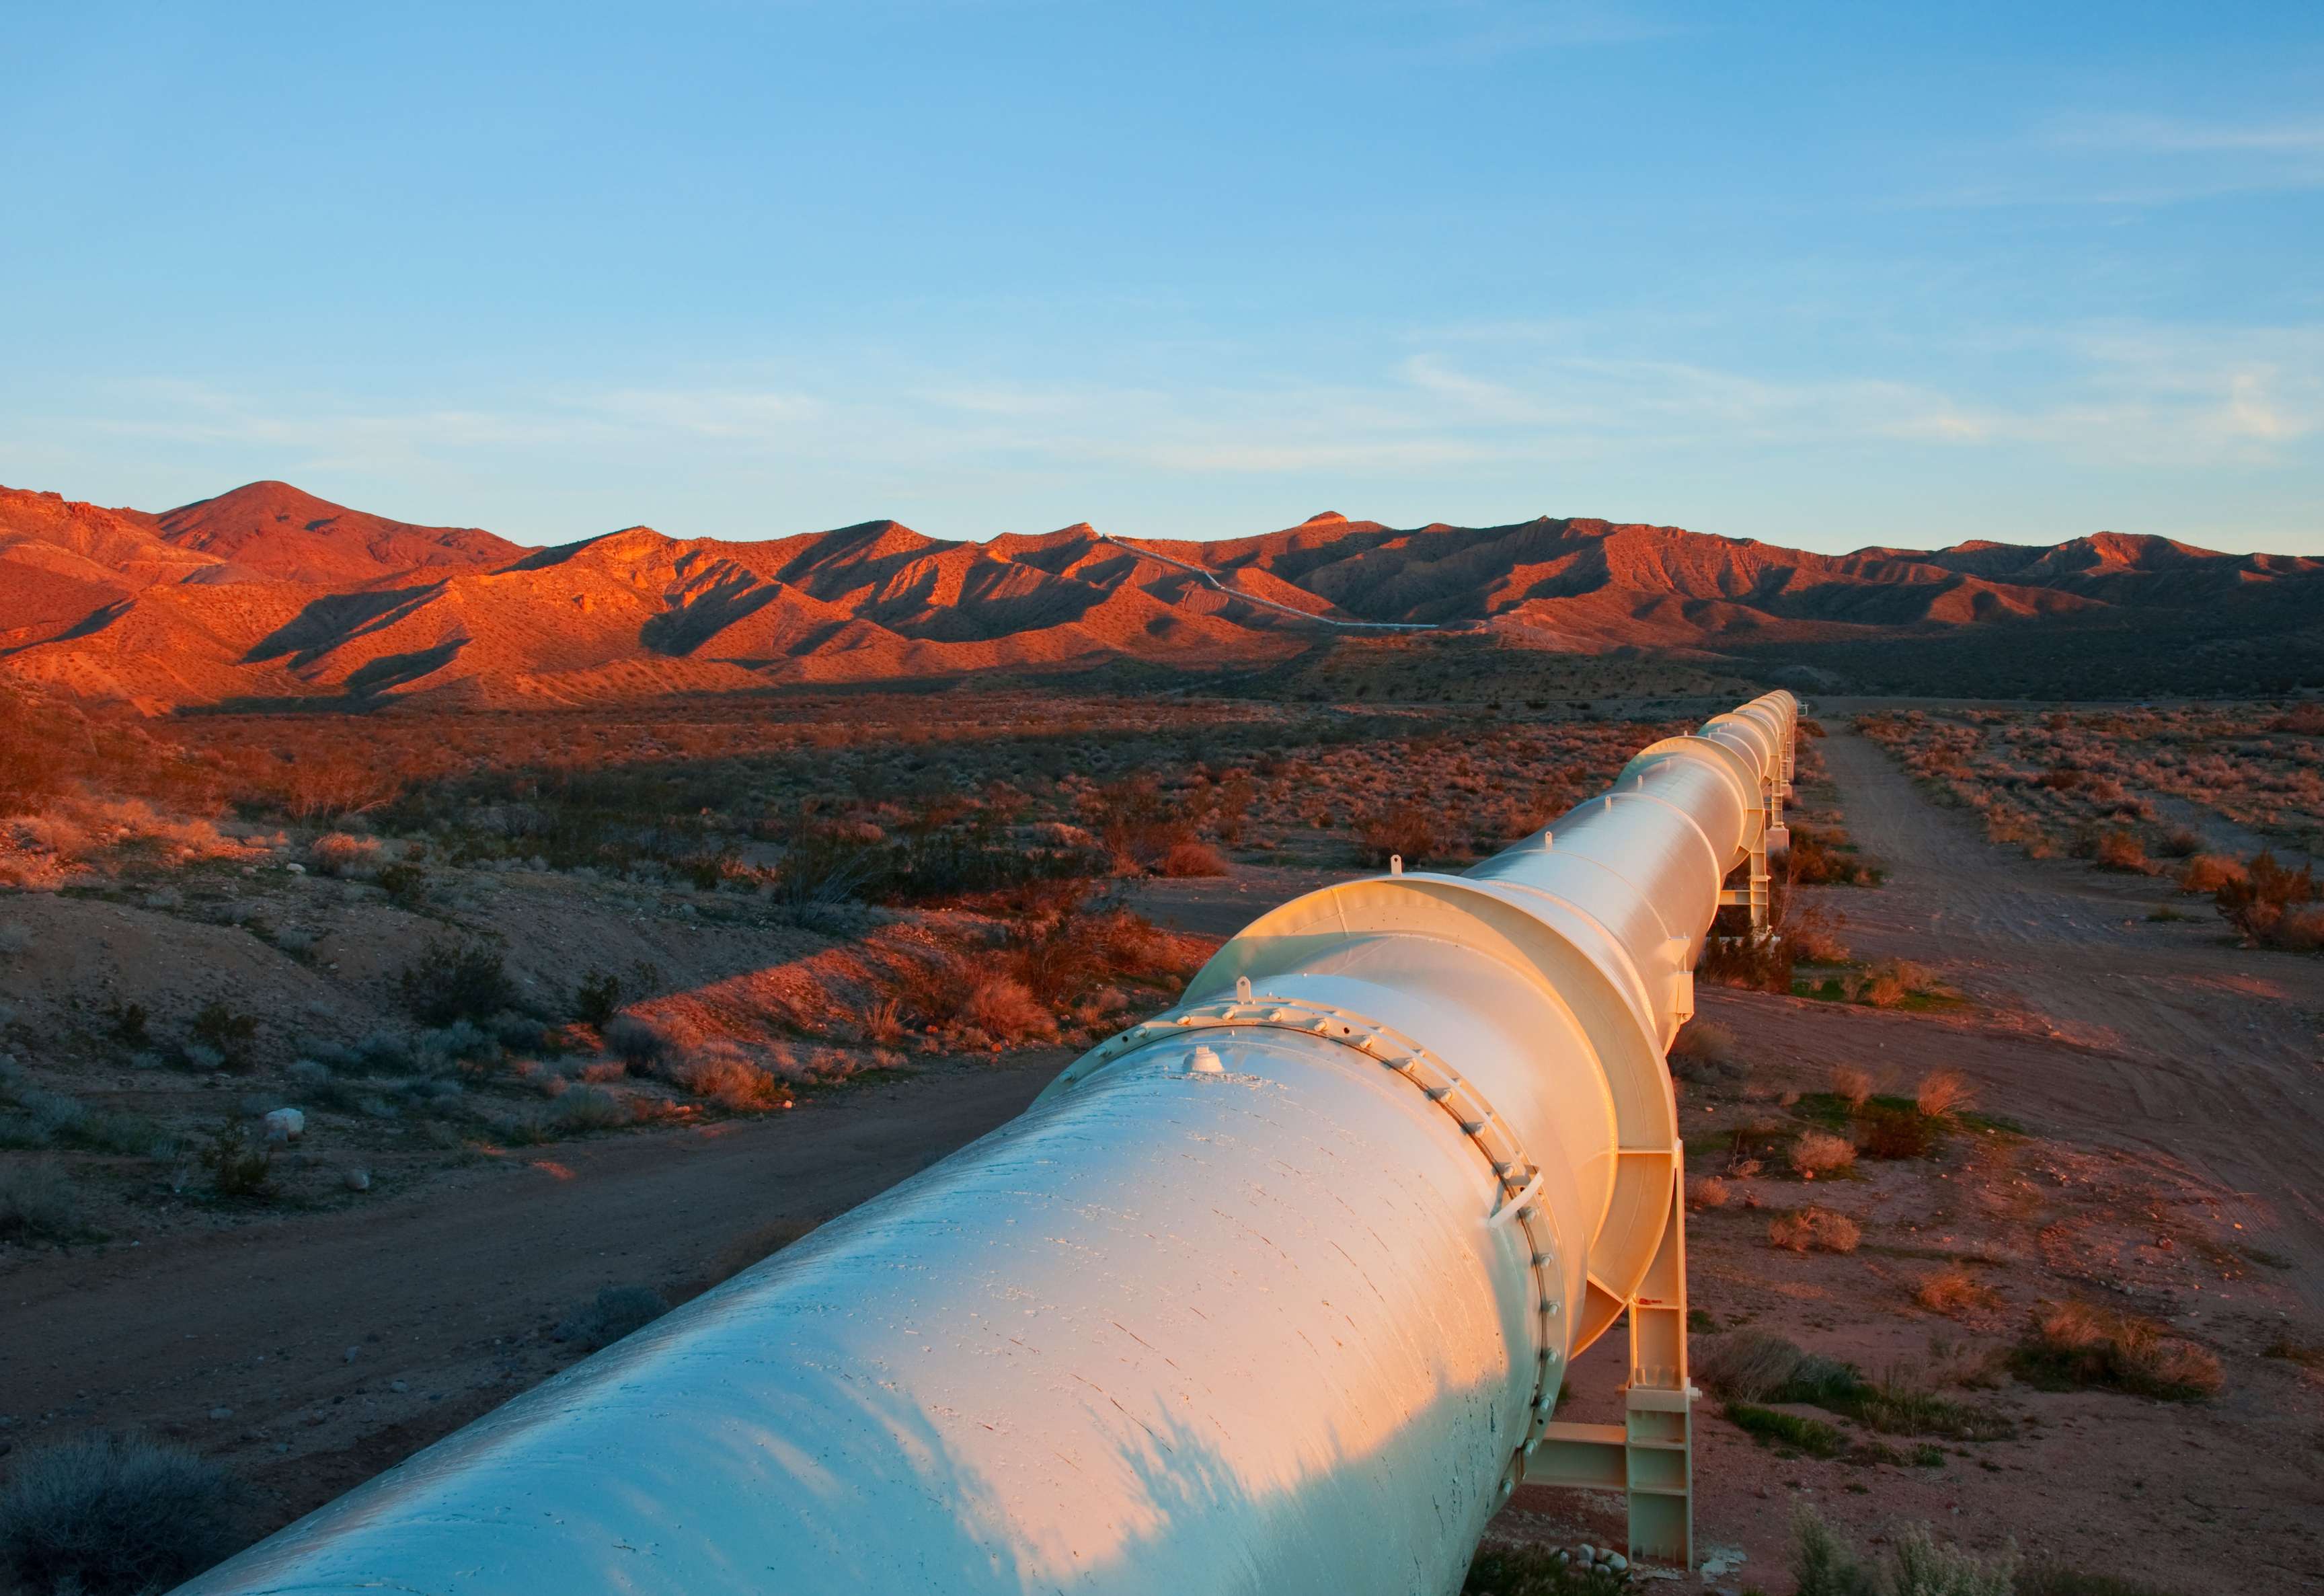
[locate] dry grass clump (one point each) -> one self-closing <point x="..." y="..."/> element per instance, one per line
<point x="2072" y="1344"/>
<point x="1814" y="1229"/>
<point x="1707" y="1191"/>
<point x="1819" y="1152"/>
<point x="1953" y="1291"/>
<point x="1943" y="1092"/>
<point x="1851" y="1085"/>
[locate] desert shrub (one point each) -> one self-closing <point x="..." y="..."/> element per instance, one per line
<point x="1814" y="1229"/>
<point x="2208" y="872"/>
<point x="2267" y="906"/>
<point x="1774" y="1426"/>
<point x="404" y="882"/>
<point x="730" y="1081"/>
<point x="112" y="1515"/>
<point x="238" y="1168"/>
<point x="1888" y="983"/>
<point x="1746" y="1365"/>
<point x="230" y="1035"/>
<point x="2178" y="842"/>
<point x="453" y="981"/>
<point x="1193" y="859"/>
<point x="1943" y="1093"/>
<point x="1893" y="1133"/>
<point x="1702" y="1047"/>
<point x="1006" y="1010"/>
<point x="1819" y="1152"/>
<point x="614" y="1313"/>
<point x="2072" y="1344"/>
<point x="1821" y="858"/>
<point x="1706" y="1190"/>
<point x="597" y="998"/>
<point x="1759" y="962"/>
<point x="37" y="1203"/>
<point x="1824" y="1564"/>
<point x="1813" y="935"/>
<point x="2121" y="850"/>
<point x="634" y="1040"/>
<point x="1851" y="1085"/>
<point x="582" y="1109"/>
<point x="16" y="937"/>
<point x="338" y="853"/>
<point x="1401" y="830"/>
<point x="1927" y="1567"/>
<point x="1537" y="1571"/>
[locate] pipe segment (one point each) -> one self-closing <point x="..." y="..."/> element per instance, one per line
<point x="1273" y="1293"/>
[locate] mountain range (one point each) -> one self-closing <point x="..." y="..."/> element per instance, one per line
<point x="267" y="593"/>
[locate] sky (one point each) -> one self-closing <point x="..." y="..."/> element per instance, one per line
<point x="1829" y="276"/>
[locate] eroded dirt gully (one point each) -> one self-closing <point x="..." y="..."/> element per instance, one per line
<point x="2176" y="1043"/>
<point x="309" y="1351"/>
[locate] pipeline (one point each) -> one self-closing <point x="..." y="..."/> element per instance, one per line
<point x="1274" y="1293"/>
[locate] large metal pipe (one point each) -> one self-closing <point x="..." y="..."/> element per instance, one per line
<point x="1274" y="1293"/>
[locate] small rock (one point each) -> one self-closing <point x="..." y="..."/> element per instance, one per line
<point x="352" y="1352"/>
<point x="221" y="1413"/>
<point x="356" y="1180"/>
<point x="285" y="1124"/>
<point x="399" y="1385"/>
<point x="296" y="869"/>
<point x="1616" y="1561"/>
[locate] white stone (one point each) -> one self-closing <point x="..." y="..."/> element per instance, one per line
<point x="285" y="1124"/>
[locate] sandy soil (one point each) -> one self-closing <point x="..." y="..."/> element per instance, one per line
<point x="312" y="1351"/>
<point x="2170" y="1085"/>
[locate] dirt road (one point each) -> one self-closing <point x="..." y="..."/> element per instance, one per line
<point x="312" y="1351"/>
<point x="2179" y="1044"/>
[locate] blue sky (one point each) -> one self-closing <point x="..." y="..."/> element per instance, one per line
<point x="1826" y="275"/>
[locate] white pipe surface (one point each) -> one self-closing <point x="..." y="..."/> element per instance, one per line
<point x="1272" y="1294"/>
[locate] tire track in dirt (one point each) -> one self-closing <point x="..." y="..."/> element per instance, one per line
<point x="2175" y="1043"/>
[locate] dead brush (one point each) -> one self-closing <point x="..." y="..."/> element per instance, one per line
<point x="1005" y="1009"/>
<point x="1753" y="962"/>
<point x="1954" y="1292"/>
<point x="2072" y="1344"/>
<point x="1851" y="1085"/>
<point x="1819" y="1152"/>
<point x="2208" y="872"/>
<point x="1704" y="1047"/>
<point x="1943" y="1093"/>
<point x="1814" y="1229"/>
<point x="1704" y="1192"/>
